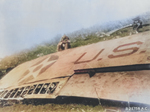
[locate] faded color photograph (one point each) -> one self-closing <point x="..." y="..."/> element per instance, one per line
<point x="74" y="56"/>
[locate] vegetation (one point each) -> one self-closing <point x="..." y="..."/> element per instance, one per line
<point x="47" y="48"/>
<point x="58" y="108"/>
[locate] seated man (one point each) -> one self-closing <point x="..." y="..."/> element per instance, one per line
<point x="64" y="43"/>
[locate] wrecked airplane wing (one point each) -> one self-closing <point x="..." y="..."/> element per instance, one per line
<point x="117" y="69"/>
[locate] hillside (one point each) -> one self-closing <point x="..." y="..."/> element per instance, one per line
<point x="84" y="38"/>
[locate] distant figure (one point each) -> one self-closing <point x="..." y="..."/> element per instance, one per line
<point x="137" y="24"/>
<point x="64" y="43"/>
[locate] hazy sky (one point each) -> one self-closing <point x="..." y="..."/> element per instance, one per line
<point x="25" y="23"/>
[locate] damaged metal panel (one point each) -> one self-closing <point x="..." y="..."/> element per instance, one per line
<point x="35" y="90"/>
<point x="130" y="86"/>
<point x="134" y="49"/>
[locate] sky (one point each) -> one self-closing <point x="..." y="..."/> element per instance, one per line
<point x="26" y="23"/>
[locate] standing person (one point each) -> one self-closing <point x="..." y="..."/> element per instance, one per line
<point x="137" y="24"/>
<point x="64" y="43"/>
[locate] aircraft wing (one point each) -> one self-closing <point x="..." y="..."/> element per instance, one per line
<point x="116" y="69"/>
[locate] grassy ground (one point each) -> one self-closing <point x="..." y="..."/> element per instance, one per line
<point x="52" y="108"/>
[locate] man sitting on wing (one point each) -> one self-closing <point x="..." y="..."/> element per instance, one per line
<point x="64" y="43"/>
